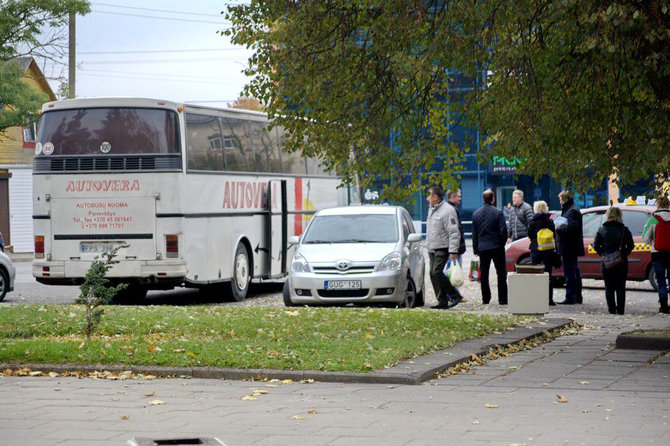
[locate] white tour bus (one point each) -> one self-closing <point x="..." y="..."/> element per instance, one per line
<point x="196" y="195"/>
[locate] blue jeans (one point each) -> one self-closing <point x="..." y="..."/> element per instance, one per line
<point x="573" y="279"/>
<point x="662" y="270"/>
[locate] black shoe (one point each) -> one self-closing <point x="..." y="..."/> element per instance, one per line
<point x="664" y="309"/>
<point x="486" y="302"/>
<point x="502" y="303"/>
<point x="455" y="300"/>
<point x="566" y="302"/>
<point x="552" y="303"/>
<point x="439" y="307"/>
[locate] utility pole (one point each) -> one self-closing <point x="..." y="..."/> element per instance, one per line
<point x="71" y="57"/>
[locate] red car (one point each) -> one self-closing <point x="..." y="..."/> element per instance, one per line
<point x="639" y="262"/>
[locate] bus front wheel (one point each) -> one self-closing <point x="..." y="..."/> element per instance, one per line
<point x="239" y="286"/>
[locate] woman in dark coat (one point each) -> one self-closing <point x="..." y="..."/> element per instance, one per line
<point x="614" y="236"/>
<point x="541" y="220"/>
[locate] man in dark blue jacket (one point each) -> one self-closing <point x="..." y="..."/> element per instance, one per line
<point x="489" y="234"/>
<point x="570" y="247"/>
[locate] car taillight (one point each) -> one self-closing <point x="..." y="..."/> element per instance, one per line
<point x="39" y="246"/>
<point x="171" y="246"/>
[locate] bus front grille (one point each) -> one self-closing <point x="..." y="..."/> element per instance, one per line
<point x="48" y="164"/>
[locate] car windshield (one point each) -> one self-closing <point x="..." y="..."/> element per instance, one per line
<point x="366" y="228"/>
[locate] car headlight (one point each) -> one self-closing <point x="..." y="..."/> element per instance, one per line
<point x="391" y="262"/>
<point x="300" y="265"/>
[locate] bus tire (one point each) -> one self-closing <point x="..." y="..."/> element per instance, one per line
<point x="4" y="284"/>
<point x="286" y="294"/>
<point x="239" y="286"/>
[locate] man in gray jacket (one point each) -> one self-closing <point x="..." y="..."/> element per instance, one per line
<point x="442" y="241"/>
<point x="519" y="217"/>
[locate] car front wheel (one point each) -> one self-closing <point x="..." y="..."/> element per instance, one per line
<point x="411" y="298"/>
<point x="286" y="294"/>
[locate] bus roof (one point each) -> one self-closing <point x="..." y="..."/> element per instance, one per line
<point x="136" y="102"/>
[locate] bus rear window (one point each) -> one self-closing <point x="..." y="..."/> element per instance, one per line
<point x="110" y="131"/>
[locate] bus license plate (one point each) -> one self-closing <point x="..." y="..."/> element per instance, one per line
<point x="342" y="285"/>
<point x="96" y="248"/>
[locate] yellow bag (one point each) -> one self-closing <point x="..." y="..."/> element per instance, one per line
<point x="545" y="240"/>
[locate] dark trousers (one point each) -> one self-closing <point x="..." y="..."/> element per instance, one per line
<point x="661" y="264"/>
<point x="573" y="279"/>
<point x="498" y="257"/>
<point x="615" y="284"/>
<point x="441" y="284"/>
<point x="545" y="258"/>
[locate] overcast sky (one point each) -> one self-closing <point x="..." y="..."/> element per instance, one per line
<point x="165" y="49"/>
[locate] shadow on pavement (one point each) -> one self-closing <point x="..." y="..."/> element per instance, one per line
<point x="208" y="296"/>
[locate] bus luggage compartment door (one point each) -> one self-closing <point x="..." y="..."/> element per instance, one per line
<point x="276" y="229"/>
<point x="83" y="228"/>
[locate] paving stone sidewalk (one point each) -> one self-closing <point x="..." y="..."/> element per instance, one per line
<point x="607" y="397"/>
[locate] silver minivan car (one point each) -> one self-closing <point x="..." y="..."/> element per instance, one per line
<point x="357" y="254"/>
<point x="7" y="275"/>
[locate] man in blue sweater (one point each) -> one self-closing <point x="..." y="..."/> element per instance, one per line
<point x="489" y="234"/>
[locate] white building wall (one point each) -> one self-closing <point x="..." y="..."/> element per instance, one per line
<point x="21" y="209"/>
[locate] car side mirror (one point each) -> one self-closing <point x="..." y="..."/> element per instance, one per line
<point x="413" y="238"/>
<point x="294" y="240"/>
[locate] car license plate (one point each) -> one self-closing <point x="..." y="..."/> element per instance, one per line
<point x="96" y="248"/>
<point x="342" y="285"/>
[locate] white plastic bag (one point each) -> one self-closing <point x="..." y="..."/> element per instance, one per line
<point x="454" y="272"/>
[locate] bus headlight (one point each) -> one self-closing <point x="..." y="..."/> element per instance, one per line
<point x="300" y="265"/>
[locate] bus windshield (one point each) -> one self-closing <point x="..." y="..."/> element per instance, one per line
<point x="111" y="131"/>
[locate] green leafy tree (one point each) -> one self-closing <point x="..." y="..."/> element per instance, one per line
<point x="577" y="89"/>
<point x="29" y="28"/>
<point x="96" y="290"/>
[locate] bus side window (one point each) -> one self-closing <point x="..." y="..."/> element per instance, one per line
<point x="236" y="137"/>
<point x="203" y="140"/>
<point x="274" y="136"/>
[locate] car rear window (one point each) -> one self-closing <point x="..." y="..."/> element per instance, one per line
<point x="366" y="228"/>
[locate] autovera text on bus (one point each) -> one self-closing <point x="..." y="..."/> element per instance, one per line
<point x="103" y="186"/>
<point x="247" y="194"/>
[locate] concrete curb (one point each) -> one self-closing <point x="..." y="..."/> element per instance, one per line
<point x="413" y="372"/>
<point x="637" y="341"/>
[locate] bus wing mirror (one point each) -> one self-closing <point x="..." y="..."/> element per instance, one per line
<point x="294" y="240"/>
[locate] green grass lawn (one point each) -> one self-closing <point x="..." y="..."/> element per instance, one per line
<point x="332" y="339"/>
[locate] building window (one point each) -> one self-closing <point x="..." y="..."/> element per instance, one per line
<point x="29" y="132"/>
